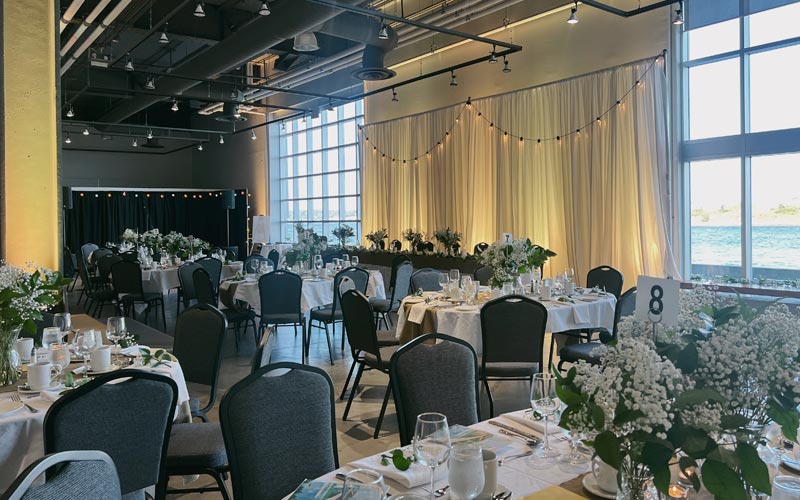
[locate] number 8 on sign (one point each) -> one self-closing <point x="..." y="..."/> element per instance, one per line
<point x="656" y="304"/>
<point x="657" y="300"/>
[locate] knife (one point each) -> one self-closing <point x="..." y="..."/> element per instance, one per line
<point x="515" y="431"/>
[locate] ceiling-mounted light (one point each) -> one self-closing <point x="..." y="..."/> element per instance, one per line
<point x="149" y="133"/>
<point x="200" y="147"/>
<point x="129" y="64"/>
<point x="506" y="69"/>
<point x="573" y="15"/>
<point x="85" y="131"/>
<point x="164" y="38"/>
<point x="306" y="42"/>
<point x="237" y="112"/>
<point x="264" y="10"/>
<point x="678" y="20"/>
<point x="70" y="112"/>
<point x="394" y="96"/>
<point x="253" y="134"/>
<point x="174" y="105"/>
<point x="135" y="142"/>
<point x="67" y="139"/>
<point x="304" y="118"/>
<point x="150" y="84"/>
<point x="198" y="10"/>
<point x="221" y="139"/>
<point x="453" y="81"/>
<point x="493" y="59"/>
<point x="383" y="33"/>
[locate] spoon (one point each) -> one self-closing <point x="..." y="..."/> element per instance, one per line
<point x="529" y="442"/>
<point x="503" y="495"/>
<point x="441" y="491"/>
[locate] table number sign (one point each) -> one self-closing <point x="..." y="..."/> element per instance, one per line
<point x="657" y="300"/>
<point x="507" y="238"/>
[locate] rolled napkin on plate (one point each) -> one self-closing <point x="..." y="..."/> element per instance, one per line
<point x="416" y="475"/>
<point x="523" y="417"/>
<point x="132" y="350"/>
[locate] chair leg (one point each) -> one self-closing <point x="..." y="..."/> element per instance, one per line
<point x="353" y="391"/>
<point x="330" y="347"/>
<point x="383" y="410"/>
<point x="236" y="335"/>
<point x="349" y="374"/>
<point x="163" y="313"/>
<point x="560" y="365"/>
<point x="223" y="490"/>
<point x="552" y="343"/>
<point x="344" y="336"/>
<point x="489" y="394"/>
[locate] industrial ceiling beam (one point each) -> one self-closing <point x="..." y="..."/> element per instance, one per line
<point x="627" y="13"/>
<point x="99" y="126"/>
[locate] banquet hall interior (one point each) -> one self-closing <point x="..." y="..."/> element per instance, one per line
<point x="248" y="246"/>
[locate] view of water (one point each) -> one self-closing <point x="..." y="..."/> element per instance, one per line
<point x="776" y="247"/>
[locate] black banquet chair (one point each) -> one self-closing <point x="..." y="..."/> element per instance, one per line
<point x="280" y="419"/>
<point x="395" y="246"/>
<point x="214" y="269"/>
<point x="128" y="415"/>
<point x="280" y="293"/>
<point x="484" y="275"/>
<point x="480" y="248"/>
<point x="440" y="377"/>
<point x="426" y="279"/>
<point x="234" y="314"/>
<point x="400" y="286"/>
<point x="263" y="354"/>
<point x="512" y="332"/>
<point x="332" y="313"/>
<point x="71" y="475"/>
<point x="275" y="257"/>
<point x="127" y="280"/>
<point x="606" y="278"/>
<point x="186" y="289"/>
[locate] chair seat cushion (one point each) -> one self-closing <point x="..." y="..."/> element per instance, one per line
<point x="196" y="445"/>
<point x="145" y="297"/>
<point x="104" y="294"/>
<point x="238" y="315"/>
<point x="387" y="338"/>
<point x="386" y="356"/>
<point x="509" y="369"/>
<point x="583" y="351"/>
<point x="280" y="318"/>
<point x="324" y="314"/>
<point x="383" y="305"/>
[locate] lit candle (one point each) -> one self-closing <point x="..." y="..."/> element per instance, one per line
<point x="685" y="476"/>
<point x="677" y="491"/>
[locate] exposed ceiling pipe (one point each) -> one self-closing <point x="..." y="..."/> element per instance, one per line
<point x="454" y="12"/>
<point x="628" y="13"/>
<point x="110" y="18"/>
<point x="70" y="13"/>
<point x="484" y="9"/>
<point x="98" y="9"/>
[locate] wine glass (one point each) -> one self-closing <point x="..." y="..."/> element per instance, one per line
<point x="569" y="273"/>
<point x="455" y="275"/>
<point x="465" y="469"/>
<point x="63" y="321"/>
<point x="354" y="260"/>
<point x="51" y="335"/>
<point x="116" y="330"/>
<point x="363" y="484"/>
<point x="59" y="355"/>
<point x="574" y="457"/>
<point x="431" y="442"/>
<point x="83" y="344"/>
<point x="443" y="281"/>
<point x="544" y="401"/>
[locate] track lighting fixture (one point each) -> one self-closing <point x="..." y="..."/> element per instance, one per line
<point x="129" y="64"/>
<point x="306" y="42"/>
<point x="253" y="134"/>
<point x="573" y="16"/>
<point x="264" y="10"/>
<point x="200" y="147"/>
<point x="85" y="131"/>
<point x="383" y="33"/>
<point x="174" y="105"/>
<point x="678" y="19"/>
<point x="70" y="112"/>
<point x="67" y="139"/>
<point x="506" y="69"/>
<point x="135" y="142"/>
<point x="493" y="59"/>
<point x="394" y="96"/>
<point x="150" y="84"/>
<point x="453" y="81"/>
<point x="198" y="10"/>
<point x="164" y="39"/>
<point x="221" y="139"/>
<point x="149" y="133"/>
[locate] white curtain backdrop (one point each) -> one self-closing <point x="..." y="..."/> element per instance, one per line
<point x="594" y="198"/>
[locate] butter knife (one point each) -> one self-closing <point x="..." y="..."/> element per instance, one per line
<point x="515" y="431"/>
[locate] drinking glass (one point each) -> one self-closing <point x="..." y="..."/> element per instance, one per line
<point x="63" y="321"/>
<point x="544" y="401"/>
<point x="455" y="275"/>
<point x="465" y="471"/>
<point x="51" y="335"/>
<point x="336" y="263"/>
<point x="318" y="262"/>
<point x="574" y="457"/>
<point x="569" y="273"/>
<point x="363" y="484"/>
<point x="431" y="442"/>
<point x="443" y="281"/>
<point x="83" y="344"/>
<point x="354" y="260"/>
<point x="59" y="355"/>
<point x="115" y="330"/>
<point x="466" y="281"/>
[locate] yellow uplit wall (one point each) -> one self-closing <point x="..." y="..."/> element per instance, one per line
<point x="31" y="158"/>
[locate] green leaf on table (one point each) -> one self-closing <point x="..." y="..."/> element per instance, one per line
<point x="657" y="458"/>
<point x="598" y="416"/>
<point x="400" y="461"/>
<point x="754" y="470"/>
<point x="788" y="419"/>
<point x="567" y="395"/>
<point x="723" y="481"/>
<point x="607" y="446"/>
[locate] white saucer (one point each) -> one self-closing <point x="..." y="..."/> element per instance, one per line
<point x="791" y="464"/>
<point x="24" y="389"/>
<point x="110" y="369"/>
<point x="590" y="483"/>
<point x="9" y="407"/>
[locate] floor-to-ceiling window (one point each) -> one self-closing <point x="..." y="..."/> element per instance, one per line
<point x="319" y="172"/>
<point x="740" y="77"/>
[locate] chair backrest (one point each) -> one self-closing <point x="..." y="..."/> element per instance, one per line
<point x="605" y="277"/>
<point x="426" y="279"/>
<point x="186" y="279"/>
<point x="100" y="253"/>
<point x="283" y="424"/>
<point x="484" y="275"/>
<point x="87" y="249"/>
<point x="396" y="245"/>
<point x="402" y="282"/>
<point x="626" y="306"/>
<point x="331" y="253"/>
<point x="441" y="377"/>
<point x="396" y="261"/>
<point x="104" y="264"/>
<point x="126" y="277"/>
<point x="512" y="330"/>
<point x="263" y="354"/>
<point x="203" y="287"/>
<point x="83" y="272"/>
<point x="280" y="293"/>
<point x="250" y="262"/>
<point x="130" y="420"/>
<point x="78" y="474"/>
<point x="199" y="337"/>
<point x="480" y="248"/>
<point x="130" y="256"/>
<point x="359" y="323"/>
<point x="70" y="263"/>
<point x="214" y="268"/>
<point x="275" y="257"/>
<point x="360" y="278"/>
<point x="231" y="253"/>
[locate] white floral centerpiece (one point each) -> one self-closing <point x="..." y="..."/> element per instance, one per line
<point x="509" y="260"/>
<point x="303" y="251"/>
<point x="130" y="236"/>
<point x="721" y="376"/>
<point x="151" y="239"/>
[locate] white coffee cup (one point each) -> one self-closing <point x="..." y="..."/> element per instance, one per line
<point x="605" y="475"/>
<point x="323" y="273"/>
<point x="489" y="475"/>
<point x="39" y="375"/>
<point x="100" y="359"/>
<point x="545" y="289"/>
<point x="24" y="346"/>
<point x="569" y="288"/>
<point x="548" y="281"/>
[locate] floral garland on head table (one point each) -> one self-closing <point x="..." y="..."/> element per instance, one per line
<point x="172" y="243"/>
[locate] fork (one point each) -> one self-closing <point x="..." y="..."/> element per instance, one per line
<point x="15" y="397"/>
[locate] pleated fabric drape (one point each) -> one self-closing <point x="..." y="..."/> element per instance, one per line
<point x="595" y="198"/>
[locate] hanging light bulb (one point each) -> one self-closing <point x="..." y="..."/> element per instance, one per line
<point x="129" y="64"/>
<point x="174" y="105"/>
<point x="253" y="134"/>
<point x="453" y="81"/>
<point x="163" y="39"/>
<point x="198" y="10"/>
<point x="383" y="33"/>
<point x="200" y="147"/>
<point x="678" y="20"/>
<point x="68" y="140"/>
<point x="149" y="133"/>
<point x="264" y="10"/>
<point x="150" y="84"/>
<point x="70" y="112"/>
<point x="394" y="96"/>
<point x="135" y="142"/>
<point x="573" y="16"/>
<point x="506" y="69"/>
<point x="85" y="131"/>
<point x="493" y="59"/>
<point x="221" y="139"/>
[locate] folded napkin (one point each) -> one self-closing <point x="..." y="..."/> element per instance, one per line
<point x="416" y="475"/>
<point x="554" y="493"/>
<point x="132" y="350"/>
<point x="51" y="396"/>
<point x="523" y="418"/>
<point x="417" y="312"/>
<point x="580" y="314"/>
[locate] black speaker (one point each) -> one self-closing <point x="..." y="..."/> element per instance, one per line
<point x="229" y="199"/>
<point x="66" y="197"/>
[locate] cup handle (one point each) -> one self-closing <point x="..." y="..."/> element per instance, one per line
<point x="595" y="465"/>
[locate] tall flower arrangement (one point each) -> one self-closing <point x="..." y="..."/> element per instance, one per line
<point x="310" y="244"/>
<point x="449" y="239"/>
<point x="377" y="237"/>
<point x="413" y="237"/>
<point x="514" y="258"/>
<point x="343" y="233"/>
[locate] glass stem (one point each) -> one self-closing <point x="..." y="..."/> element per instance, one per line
<point x="546" y="434"/>
<point x="85" y="366"/>
<point x="432" y="476"/>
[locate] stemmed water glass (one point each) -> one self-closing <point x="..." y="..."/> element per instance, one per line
<point x="59" y="355"/>
<point x="544" y="401"/>
<point x="83" y="344"/>
<point x="455" y="275"/>
<point x="443" y="281"/>
<point x="363" y="484"/>
<point x="115" y="331"/>
<point x="468" y="286"/>
<point x="569" y="273"/>
<point x="354" y="260"/>
<point x="465" y="471"/>
<point x="432" y="442"/>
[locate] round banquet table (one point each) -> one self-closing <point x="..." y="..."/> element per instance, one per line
<point x="166" y="278"/>
<point x="416" y="318"/>
<point x="316" y="292"/>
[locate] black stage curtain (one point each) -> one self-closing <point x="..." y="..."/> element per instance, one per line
<point x="102" y="216"/>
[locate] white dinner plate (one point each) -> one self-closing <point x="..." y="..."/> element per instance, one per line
<point x="590" y="483"/>
<point x="24" y="389"/>
<point x="112" y="368"/>
<point x="9" y="407"/>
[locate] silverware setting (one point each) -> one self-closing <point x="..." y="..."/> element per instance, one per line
<point x="529" y="442"/>
<point x="441" y="491"/>
<point x="518" y="432"/>
<point x="513" y="457"/>
<point x="15" y="397"/>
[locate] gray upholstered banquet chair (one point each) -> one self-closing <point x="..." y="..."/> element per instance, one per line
<point x="186" y="291"/>
<point x="398" y="292"/>
<point x="484" y="275"/>
<point x="426" y="279"/>
<point x="275" y="257"/>
<point x="280" y="294"/>
<point x="367" y="352"/>
<point x="512" y="331"/>
<point x="73" y="475"/>
<point x="279" y="429"/>
<point x="606" y="278"/>
<point x="126" y="277"/>
<point x="440" y="377"/>
<point x="127" y="414"/>
<point x="332" y="313"/>
<point x="396" y="260"/>
<point x="86" y="251"/>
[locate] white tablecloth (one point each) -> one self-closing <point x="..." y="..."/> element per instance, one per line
<point x="164" y="279"/>
<point x="561" y="316"/>
<point x="316" y="293"/>
<point x="22" y="435"/>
